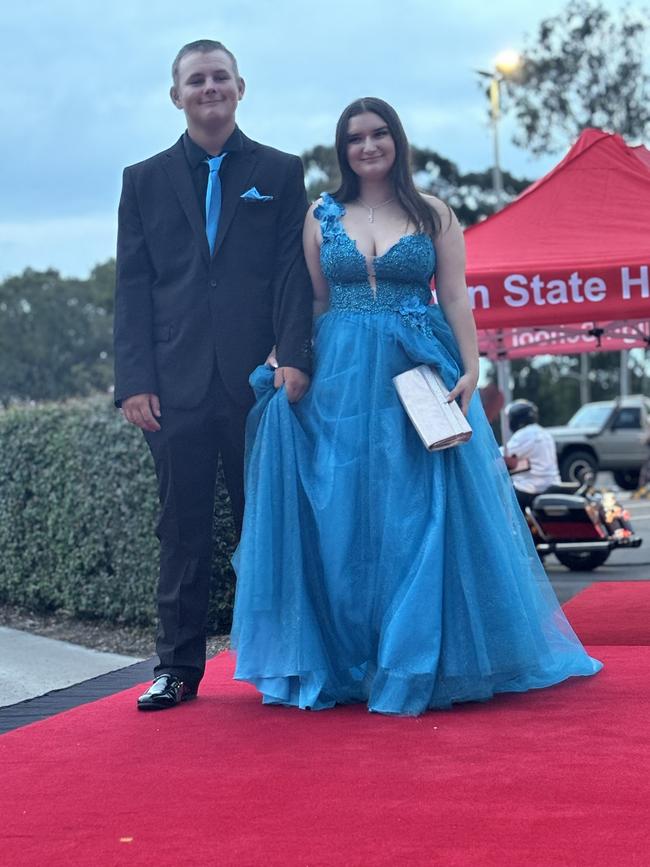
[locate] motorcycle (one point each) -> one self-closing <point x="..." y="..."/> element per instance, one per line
<point x="579" y="524"/>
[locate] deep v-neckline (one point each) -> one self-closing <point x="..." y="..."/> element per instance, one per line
<point x="383" y="255"/>
<point x="370" y="262"/>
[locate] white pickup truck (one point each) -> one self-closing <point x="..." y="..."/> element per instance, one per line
<point x="605" y="435"/>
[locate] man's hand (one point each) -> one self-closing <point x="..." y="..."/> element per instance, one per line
<point x="142" y="410"/>
<point x="511" y="461"/>
<point x="271" y="360"/>
<point x="295" y="382"/>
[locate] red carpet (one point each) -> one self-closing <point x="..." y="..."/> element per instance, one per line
<point x="614" y="612"/>
<point x="555" y="777"/>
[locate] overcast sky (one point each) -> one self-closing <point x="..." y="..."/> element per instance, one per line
<point x="86" y="93"/>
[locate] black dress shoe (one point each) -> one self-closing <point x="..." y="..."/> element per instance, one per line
<point x="167" y="690"/>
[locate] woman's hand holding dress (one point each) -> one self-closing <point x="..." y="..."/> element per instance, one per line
<point x="464" y="389"/>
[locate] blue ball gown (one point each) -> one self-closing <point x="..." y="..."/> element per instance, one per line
<point x="370" y="570"/>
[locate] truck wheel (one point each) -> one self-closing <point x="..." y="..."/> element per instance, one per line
<point x="582" y="561"/>
<point x="627" y="479"/>
<point x="575" y="464"/>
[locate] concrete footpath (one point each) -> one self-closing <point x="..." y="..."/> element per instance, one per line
<point x="31" y="665"/>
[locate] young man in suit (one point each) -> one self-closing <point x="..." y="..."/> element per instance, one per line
<point x="210" y="276"/>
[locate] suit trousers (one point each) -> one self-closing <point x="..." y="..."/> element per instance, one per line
<point x="186" y="456"/>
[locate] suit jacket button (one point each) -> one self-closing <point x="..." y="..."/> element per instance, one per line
<point x="213" y="283"/>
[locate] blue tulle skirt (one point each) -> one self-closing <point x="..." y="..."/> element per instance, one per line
<point x="370" y="570"/>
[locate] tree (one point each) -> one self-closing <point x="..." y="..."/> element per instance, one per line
<point x="321" y="170"/>
<point x="101" y="286"/>
<point x="55" y="335"/>
<point x="585" y="68"/>
<point x="470" y="195"/>
<point x="553" y="383"/>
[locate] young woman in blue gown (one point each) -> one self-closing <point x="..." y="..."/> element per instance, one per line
<point x="370" y="570"/>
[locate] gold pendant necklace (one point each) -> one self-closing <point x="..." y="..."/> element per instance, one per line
<point x="371" y="210"/>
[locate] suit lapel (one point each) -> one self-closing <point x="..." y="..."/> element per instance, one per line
<point x="179" y="174"/>
<point x="233" y="184"/>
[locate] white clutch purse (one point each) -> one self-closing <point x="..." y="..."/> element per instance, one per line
<point x="423" y="395"/>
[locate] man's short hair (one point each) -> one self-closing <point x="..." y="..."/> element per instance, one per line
<point x="204" y="46"/>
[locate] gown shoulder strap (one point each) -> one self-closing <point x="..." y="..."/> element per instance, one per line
<point x="329" y="213"/>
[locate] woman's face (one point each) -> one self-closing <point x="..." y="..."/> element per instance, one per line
<point x="370" y="146"/>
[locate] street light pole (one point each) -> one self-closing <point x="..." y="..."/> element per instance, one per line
<point x="502" y="363"/>
<point x="495" y="114"/>
<point x="506" y="63"/>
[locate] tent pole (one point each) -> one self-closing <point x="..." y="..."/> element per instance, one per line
<point x="503" y="383"/>
<point x="584" y="378"/>
<point x="624" y="381"/>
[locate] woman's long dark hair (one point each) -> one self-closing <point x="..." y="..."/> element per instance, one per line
<point x="422" y="215"/>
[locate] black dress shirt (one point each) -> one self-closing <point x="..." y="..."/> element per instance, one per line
<point x="196" y="159"/>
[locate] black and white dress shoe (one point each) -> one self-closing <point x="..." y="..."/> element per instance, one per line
<point x="167" y="690"/>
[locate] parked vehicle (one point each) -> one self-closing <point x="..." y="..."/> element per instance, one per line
<point x="605" y="435"/>
<point x="579" y="524"/>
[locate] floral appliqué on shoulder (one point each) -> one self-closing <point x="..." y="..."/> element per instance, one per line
<point x="329" y="213"/>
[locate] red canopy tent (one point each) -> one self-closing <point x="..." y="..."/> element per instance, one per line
<point x="566" y="266"/>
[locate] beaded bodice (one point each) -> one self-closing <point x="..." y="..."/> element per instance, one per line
<point x="402" y="274"/>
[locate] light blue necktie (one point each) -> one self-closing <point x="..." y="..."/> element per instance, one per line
<point x="213" y="199"/>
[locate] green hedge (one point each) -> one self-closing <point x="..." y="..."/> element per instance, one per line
<point x="78" y="508"/>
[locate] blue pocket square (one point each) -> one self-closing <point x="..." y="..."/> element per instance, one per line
<point x="253" y="195"/>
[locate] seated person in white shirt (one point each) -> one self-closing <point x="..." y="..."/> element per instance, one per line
<point x="530" y="442"/>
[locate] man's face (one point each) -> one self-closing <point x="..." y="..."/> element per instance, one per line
<point x="207" y="89"/>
